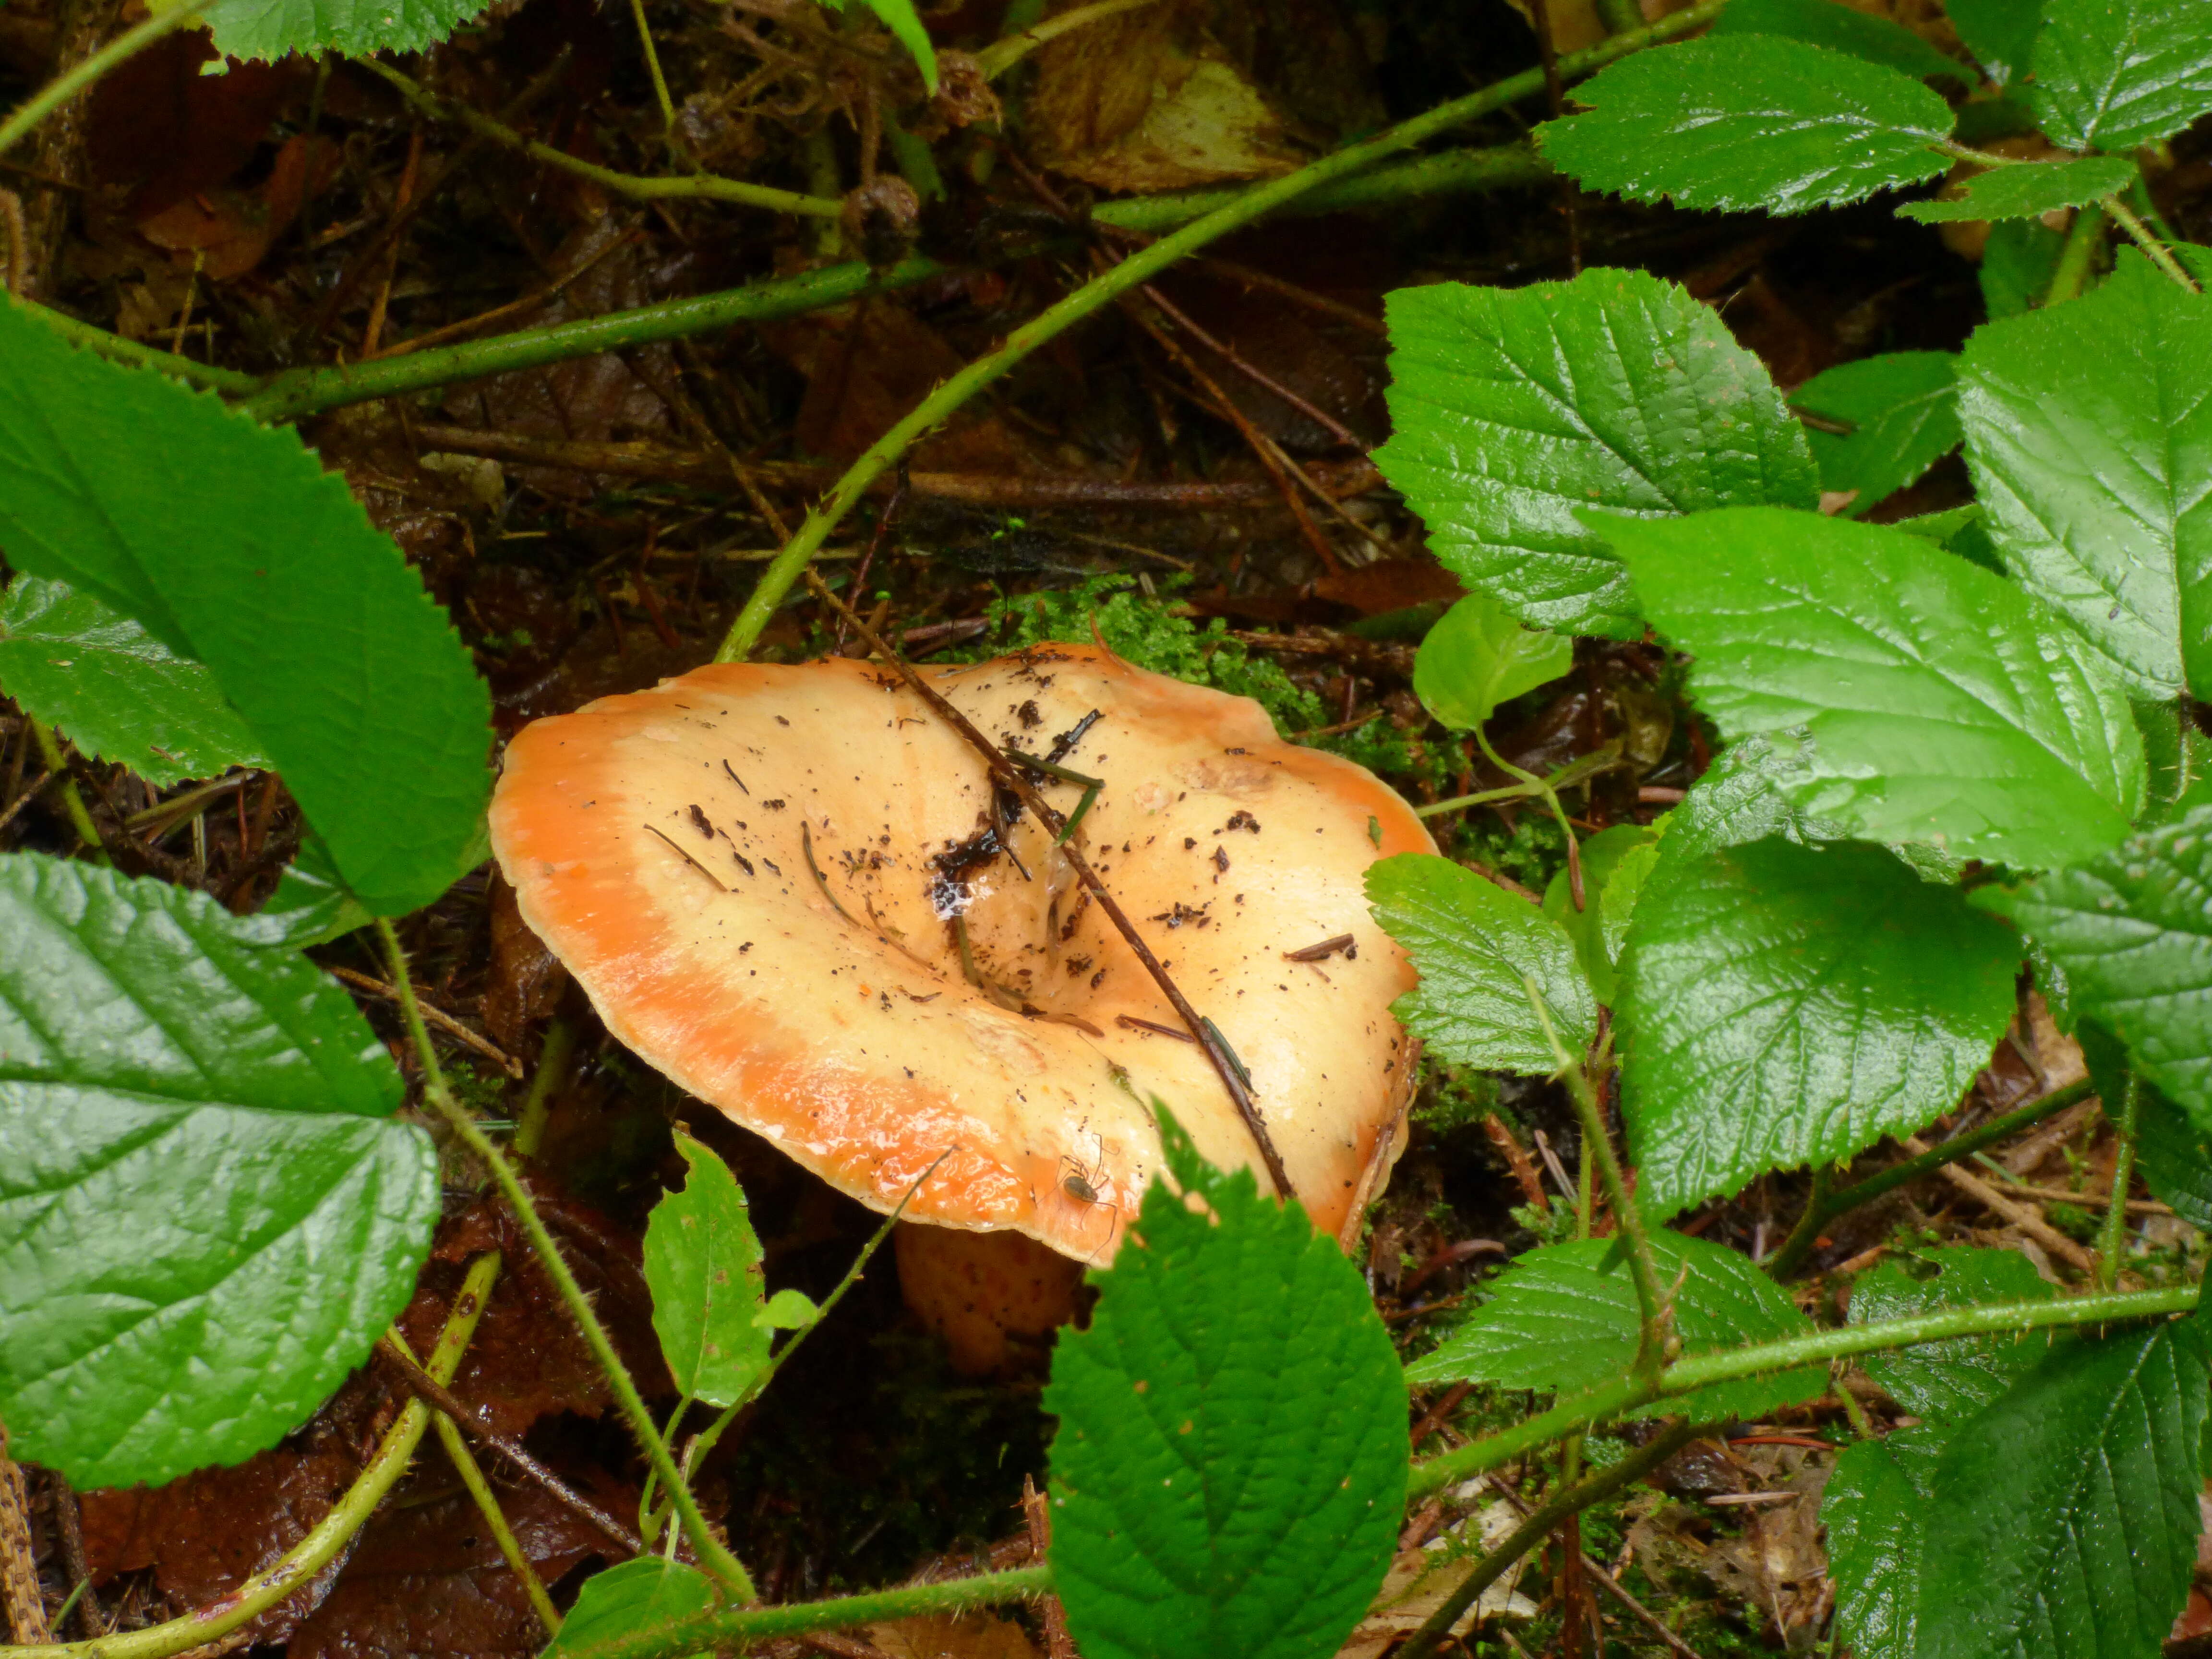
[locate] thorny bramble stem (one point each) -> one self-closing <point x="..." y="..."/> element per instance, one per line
<point x="2112" y="1245"/>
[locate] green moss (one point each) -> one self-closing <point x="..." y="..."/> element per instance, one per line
<point x="1453" y="1097"/>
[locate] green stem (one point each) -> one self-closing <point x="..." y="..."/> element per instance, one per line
<point x="1008" y="50"/>
<point x="75" y="78"/>
<point x="298" y="1567"/>
<point x="1539" y="786"/>
<point x="653" y="67"/>
<point x="1141" y="266"/>
<point x="2083" y="238"/>
<point x="116" y="349"/>
<point x="1806" y="1232"/>
<point x="713" y="1554"/>
<point x="637" y="186"/>
<point x="1449" y="171"/>
<point x="1540" y="1525"/>
<point x="1799" y="1242"/>
<point x="2112" y="1244"/>
<point x="510" y="1548"/>
<point x="538" y="1105"/>
<point x="1816" y="1349"/>
<point x="1567" y="777"/>
<point x="746" y="1625"/>
<point x="1619" y="17"/>
<point x="2159" y="255"/>
<point x="50" y="755"/>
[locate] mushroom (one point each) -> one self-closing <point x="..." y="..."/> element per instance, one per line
<point x="799" y="892"/>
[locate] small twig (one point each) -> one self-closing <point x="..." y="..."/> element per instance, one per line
<point x="21" y="1597"/>
<point x="2026" y="1219"/>
<point x="437" y="1017"/>
<point x="8" y="813"/>
<point x="1009" y="776"/>
<point x="695" y="864"/>
<point x="69" y="1526"/>
<point x="16" y="274"/>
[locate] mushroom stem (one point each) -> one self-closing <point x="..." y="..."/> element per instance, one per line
<point x="714" y="1555"/>
<point x="1009" y="776"/>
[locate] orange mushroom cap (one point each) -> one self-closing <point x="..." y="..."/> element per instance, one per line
<point x="654" y="842"/>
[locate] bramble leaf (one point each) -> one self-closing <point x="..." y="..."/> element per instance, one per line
<point x="207" y="1212"/>
<point x="2132" y="930"/>
<point x="1749" y="121"/>
<point x="1477" y="657"/>
<point x="1946" y="1382"/>
<point x="2175" y="1158"/>
<point x="629" y="1599"/>
<point x="1785" y="1005"/>
<point x="2121" y="74"/>
<point x="115" y="691"/>
<point x="1905" y="410"/>
<point x="1932" y="700"/>
<point x="1873" y="1508"/>
<point x="1514" y="408"/>
<point x="1614" y="863"/>
<point x="270" y="28"/>
<point x="2018" y="262"/>
<point x="2067" y="1512"/>
<point x="702" y="1264"/>
<point x="1841" y="29"/>
<point x="2000" y="34"/>
<point x="1565" y="1319"/>
<point x="1476" y="947"/>
<point x="2027" y="191"/>
<point x="1230" y="1468"/>
<point x="2089" y="435"/>
<point x="229" y="544"/>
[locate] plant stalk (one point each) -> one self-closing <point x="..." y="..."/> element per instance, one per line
<point x="2083" y="238"/>
<point x="487" y="1502"/>
<point x="714" y="1555"/>
<point x="2126" y="218"/>
<point x="2112" y="1243"/>
<point x="136" y="355"/>
<point x="1138" y="268"/>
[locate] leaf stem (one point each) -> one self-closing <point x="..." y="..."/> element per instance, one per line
<point x="1572" y="773"/>
<point x="1817" y="1347"/>
<point x="2112" y="1245"/>
<point x="2160" y="254"/>
<point x="713" y="1554"/>
<point x="553" y="1054"/>
<point x="1826" y="1208"/>
<point x="116" y="349"/>
<point x="75" y="78"/>
<point x="510" y="1549"/>
<point x="1540" y="1525"/>
<point x="1138" y="268"/>
<point x="56" y="765"/>
<point x="298" y="1566"/>
<point x="2083" y="238"/>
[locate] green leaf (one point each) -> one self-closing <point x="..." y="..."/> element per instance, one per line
<point x="355" y="27"/>
<point x="311" y="905"/>
<point x="115" y="691"/>
<point x="1841" y="29"/>
<point x="1785" y="1005"/>
<point x="207" y="1212"/>
<point x="232" y="546"/>
<point x="629" y="1599"/>
<point x="1476" y="946"/>
<point x="1477" y="656"/>
<point x="702" y="1264"/>
<point x="1741" y="799"/>
<point x="2089" y="435"/>
<point x="2018" y="262"/>
<point x="1904" y="408"/>
<point x="900" y="17"/>
<point x="1230" y="1468"/>
<point x="2132" y="931"/>
<point x="1946" y="1382"/>
<point x="2121" y="74"/>
<point x="788" y="1310"/>
<point x="1514" y="408"/>
<point x="2067" y="1512"/>
<point x="2000" y="34"/>
<point x="1748" y="122"/>
<point x="2175" y="1156"/>
<point x="1565" y="1320"/>
<point x="1873" y="1508"/>
<point x="1614" y="864"/>
<point x="2027" y="191"/>
<point x="1933" y="701"/>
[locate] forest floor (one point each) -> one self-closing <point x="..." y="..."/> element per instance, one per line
<point x="593" y="524"/>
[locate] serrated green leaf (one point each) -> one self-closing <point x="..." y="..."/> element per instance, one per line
<point x="2175" y="1158"/>
<point x="2121" y="74"/>
<point x="1933" y="701"/>
<point x="1614" y="864"/>
<point x="629" y="1599"/>
<point x="1477" y="656"/>
<point x="2067" y="1512"/>
<point x="1946" y="1382"/>
<point x="900" y="17"/>
<point x="207" y="1212"/>
<point x="2018" y="262"/>
<point x="1476" y="946"/>
<point x="270" y="28"/>
<point x="1565" y="1319"/>
<point x="1230" y="1468"/>
<point x="2089" y="435"/>
<point x="702" y="1264"/>
<point x="1841" y="29"/>
<point x="1785" y="1005"/>
<point x="1749" y="122"/>
<point x="115" y="691"/>
<point x="2001" y="33"/>
<point x="2027" y="191"/>
<point x="1741" y="799"/>
<point x="1904" y="408"/>
<point x="311" y="905"/>
<point x="229" y="544"/>
<point x="1513" y="409"/>
<point x="1873" y="1508"/>
<point x="2133" y="932"/>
